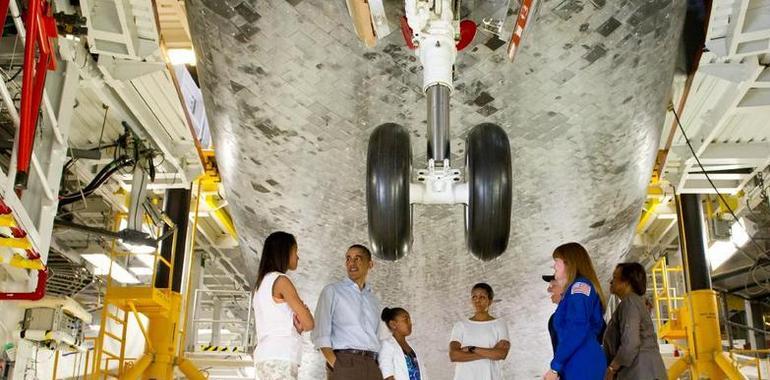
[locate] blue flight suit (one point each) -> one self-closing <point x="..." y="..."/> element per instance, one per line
<point x="578" y="322"/>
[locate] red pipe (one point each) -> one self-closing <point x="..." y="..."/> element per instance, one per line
<point x="27" y="113"/>
<point x="41" y="28"/>
<point x="38" y="294"/>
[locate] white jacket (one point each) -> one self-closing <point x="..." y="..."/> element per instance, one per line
<point x="393" y="362"/>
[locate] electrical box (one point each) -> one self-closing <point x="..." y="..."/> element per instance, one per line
<point x="55" y="322"/>
<point x="52" y="320"/>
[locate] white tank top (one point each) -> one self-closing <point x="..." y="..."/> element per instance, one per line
<point x="277" y="339"/>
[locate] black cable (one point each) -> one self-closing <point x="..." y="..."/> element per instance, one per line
<point x="755" y="261"/>
<point x="11" y="78"/>
<point x="97" y="181"/>
<point x="708" y="178"/>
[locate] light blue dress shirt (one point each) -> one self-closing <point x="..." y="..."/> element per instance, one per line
<point x="347" y="317"/>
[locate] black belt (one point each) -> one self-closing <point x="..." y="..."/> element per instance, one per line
<point x="368" y="354"/>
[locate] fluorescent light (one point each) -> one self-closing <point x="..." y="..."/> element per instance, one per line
<point x="738" y="235"/>
<point x="719" y="252"/>
<point x="181" y="56"/>
<point x="102" y="264"/>
<point x="141" y="271"/>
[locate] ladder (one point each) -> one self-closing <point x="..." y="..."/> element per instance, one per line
<point x="120" y="303"/>
<point x="105" y="357"/>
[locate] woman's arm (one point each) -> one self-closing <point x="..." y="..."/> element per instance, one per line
<point x="498" y="352"/>
<point x="457" y="354"/>
<point x="286" y="290"/>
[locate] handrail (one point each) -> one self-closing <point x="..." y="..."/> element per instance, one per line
<point x="198" y="298"/>
<point x="756" y="361"/>
<point x="665" y="293"/>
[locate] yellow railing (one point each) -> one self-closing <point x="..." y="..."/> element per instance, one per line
<point x="103" y="358"/>
<point x="755" y="361"/>
<point x="158" y="259"/>
<point x="664" y="294"/>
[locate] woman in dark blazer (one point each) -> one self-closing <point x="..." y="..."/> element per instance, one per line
<point x="630" y="342"/>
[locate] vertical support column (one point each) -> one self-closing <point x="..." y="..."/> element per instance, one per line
<point x="163" y="333"/>
<point x="757" y="338"/>
<point x="692" y="242"/>
<point x="177" y="207"/>
<point x="754" y="313"/>
<point x="705" y="357"/>
<point x="216" y="326"/>
<point x="197" y="271"/>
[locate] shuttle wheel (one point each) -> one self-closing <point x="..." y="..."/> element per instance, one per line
<point x="388" y="173"/>
<point x="488" y="214"/>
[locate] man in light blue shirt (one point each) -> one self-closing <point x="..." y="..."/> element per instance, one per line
<point x="348" y="322"/>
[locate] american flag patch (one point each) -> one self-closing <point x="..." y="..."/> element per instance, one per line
<point x="581" y="288"/>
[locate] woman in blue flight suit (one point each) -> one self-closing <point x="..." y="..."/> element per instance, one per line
<point x="578" y="319"/>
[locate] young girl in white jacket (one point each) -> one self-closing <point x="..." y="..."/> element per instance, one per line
<point x="398" y="360"/>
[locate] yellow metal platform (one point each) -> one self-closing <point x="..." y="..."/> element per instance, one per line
<point x="147" y="300"/>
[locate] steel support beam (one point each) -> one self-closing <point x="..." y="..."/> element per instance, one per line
<point x="61" y="88"/>
<point x="749" y="289"/>
<point x="762" y="262"/>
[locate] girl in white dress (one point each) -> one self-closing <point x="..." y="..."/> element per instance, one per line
<point x="479" y="344"/>
<point x="280" y="316"/>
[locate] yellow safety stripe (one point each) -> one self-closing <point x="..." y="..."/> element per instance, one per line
<point x="209" y="348"/>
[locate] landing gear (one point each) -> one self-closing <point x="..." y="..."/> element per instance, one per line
<point x="487" y="190"/>
<point x="388" y="172"/>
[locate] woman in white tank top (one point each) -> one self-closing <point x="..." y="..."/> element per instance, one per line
<point x="280" y="316"/>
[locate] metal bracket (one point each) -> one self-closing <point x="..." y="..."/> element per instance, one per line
<point x="440" y="185"/>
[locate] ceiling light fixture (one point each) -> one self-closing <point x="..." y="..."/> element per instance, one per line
<point x="142" y="245"/>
